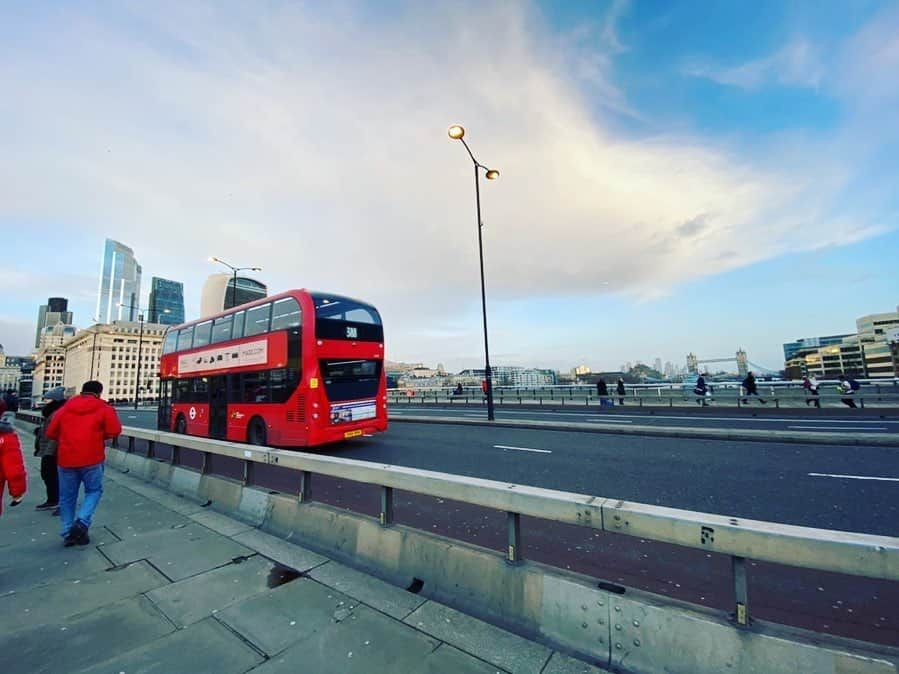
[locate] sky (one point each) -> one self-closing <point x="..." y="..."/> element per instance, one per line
<point x="675" y="176"/>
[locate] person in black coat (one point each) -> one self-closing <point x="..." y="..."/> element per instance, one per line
<point x="621" y="391"/>
<point x="751" y="388"/>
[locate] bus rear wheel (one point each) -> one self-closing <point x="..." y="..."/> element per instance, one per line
<point x="181" y="425"/>
<point x="256" y="432"/>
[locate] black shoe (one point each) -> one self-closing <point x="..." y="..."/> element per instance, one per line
<point x="46" y="505"/>
<point x="764" y="402"/>
<point x="77" y="534"/>
<point x="745" y="402"/>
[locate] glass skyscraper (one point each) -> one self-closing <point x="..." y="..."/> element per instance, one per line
<point x="118" y="295"/>
<point x="165" y="294"/>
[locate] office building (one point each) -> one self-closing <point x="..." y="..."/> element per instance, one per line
<point x="118" y="293"/>
<point x="56" y="310"/>
<point x="109" y="354"/>
<point x="872" y="331"/>
<point x="846" y="357"/>
<point x="223" y="291"/>
<point x="810" y="343"/>
<point x="55" y="335"/>
<point x="166" y="302"/>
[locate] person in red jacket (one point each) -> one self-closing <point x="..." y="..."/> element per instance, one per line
<point x="12" y="468"/>
<point x="81" y="428"/>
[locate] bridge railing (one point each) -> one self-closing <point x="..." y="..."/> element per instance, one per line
<point x="730" y="395"/>
<point x="741" y="539"/>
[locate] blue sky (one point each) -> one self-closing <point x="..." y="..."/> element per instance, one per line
<point x="676" y="176"/>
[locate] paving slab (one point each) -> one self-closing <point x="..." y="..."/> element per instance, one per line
<point x="222" y="524"/>
<point x="361" y="641"/>
<point x="198" y="597"/>
<point x="175" y="502"/>
<point x="449" y="660"/>
<point x="281" y="617"/>
<point x="40" y="565"/>
<point x="288" y="554"/>
<point x="70" y="645"/>
<point x="206" y="646"/>
<point x="49" y="603"/>
<point x="378" y="594"/>
<point x="180" y="552"/>
<point x="560" y="663"/>
<point x="483" y="640"/>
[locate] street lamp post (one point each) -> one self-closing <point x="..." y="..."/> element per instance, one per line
<point x="234" y="279"/>
<point x="456" y="132"/>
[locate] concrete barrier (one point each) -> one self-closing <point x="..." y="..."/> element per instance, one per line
<point x="630" y="632"/>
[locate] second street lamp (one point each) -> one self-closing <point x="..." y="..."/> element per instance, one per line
<point x="457" y="132"/>
<point x="234" y="278"/>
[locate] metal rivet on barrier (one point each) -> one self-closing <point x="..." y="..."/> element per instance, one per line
<point x="601" y="621"/>
<point x="636" y="623"/>
<point x="599" y="602"/>
<point x="618" y="609"/>
<point x="584" y="625"/>
<point x="618" y="646"/>
<point x="618" y="627"/>
<point x="636" y="642"/>
<point x="583" y="607"/>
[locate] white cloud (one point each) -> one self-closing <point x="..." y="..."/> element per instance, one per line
<point x="796" y="64"/>
<point x="312" y="140"/>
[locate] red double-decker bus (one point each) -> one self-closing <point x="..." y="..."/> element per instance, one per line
<point x="296" y="369"/>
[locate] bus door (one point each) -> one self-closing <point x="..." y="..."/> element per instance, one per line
<point x="218" y="407"/>
<point x="164" y="411"/>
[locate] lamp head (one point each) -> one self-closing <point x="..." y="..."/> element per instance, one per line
<point x="213" y="258"/>
<point x="456" y="132"/>
<point x="492" y="174"/>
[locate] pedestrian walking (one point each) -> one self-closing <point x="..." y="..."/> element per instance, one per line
<point x="46" y="448"/>
<point x="811" y="386"/>
<point x="12" y="467"/>
<point x="621" y="391"/>
<point x="847" y="388"/>
<point x="602" y="391"/>
<point x="751" y="389"/>
<point x="701" y="391"/>
<point x="81" y="427"/>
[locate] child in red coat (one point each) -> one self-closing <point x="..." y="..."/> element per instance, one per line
<point x="12" y="468"/>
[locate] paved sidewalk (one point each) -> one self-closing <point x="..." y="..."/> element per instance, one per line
<point x="168" y="586"/>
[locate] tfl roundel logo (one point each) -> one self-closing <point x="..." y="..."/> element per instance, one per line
<point x="192" y="413"/>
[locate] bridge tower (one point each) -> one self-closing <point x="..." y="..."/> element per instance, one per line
<point x="742" y="363"/>
<point x="692" y="363"/>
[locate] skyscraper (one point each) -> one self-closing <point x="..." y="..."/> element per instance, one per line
<point x="49" y="314"/>
<point x="118" y="294"/>
<point x="166" y="294"/>
<point x="220" y="292"/>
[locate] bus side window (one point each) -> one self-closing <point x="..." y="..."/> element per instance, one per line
<point x="257" y="320"/>
<point x="255" y="387"/>
<point x="221" y="329"/>
<point x="237" y="332"/>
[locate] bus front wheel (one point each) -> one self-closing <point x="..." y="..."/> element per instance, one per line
<point x="181" y="425"/>
<point x="256" y="432"/>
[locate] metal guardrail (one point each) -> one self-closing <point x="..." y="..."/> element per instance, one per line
<point x="632" y="399"/>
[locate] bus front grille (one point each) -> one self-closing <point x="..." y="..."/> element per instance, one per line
<point x="298" y="414"/>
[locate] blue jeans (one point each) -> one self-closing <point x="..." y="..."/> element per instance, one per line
<point x="70" y="480"/>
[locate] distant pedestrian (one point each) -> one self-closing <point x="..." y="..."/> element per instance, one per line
<point x="81" y="427"/>
<point x="458" y="390"/>
<point x="811" y="386"/>
<point x="751" y="389"/>
<point x="602" y="391"/>
<point x="621" y="391"/>
<point x="847" y="388"/>
<point x="12" y="467"/>
<point x="11" y="401"/>
<point x="46" y="449"/>
<point x="701" y="391"/>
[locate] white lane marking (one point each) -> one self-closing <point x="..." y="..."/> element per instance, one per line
<point x="524" y="449"/>
<point x="856" y="477"/>
<point x="609" y="421"/>
<point x="830" y="428"/>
